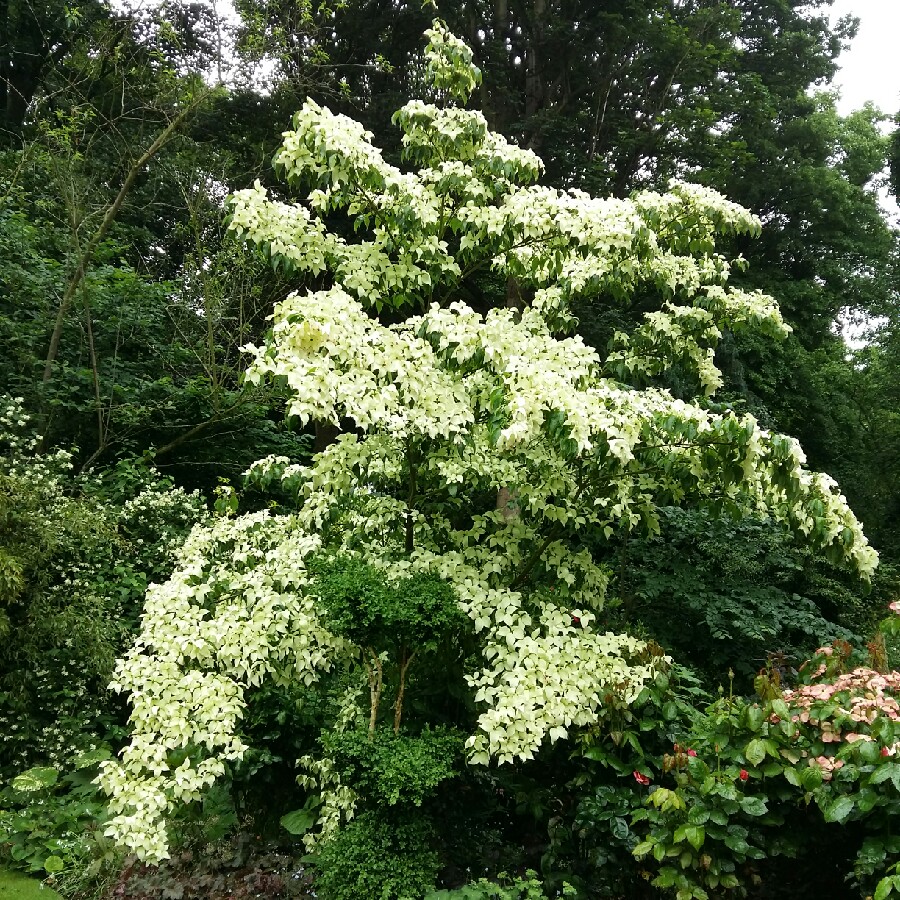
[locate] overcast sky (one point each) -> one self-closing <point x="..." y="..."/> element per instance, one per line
<point x="870" y="69"/>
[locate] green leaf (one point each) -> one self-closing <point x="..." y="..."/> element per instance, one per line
<point x="299" y="821"/>
<point x="811" y="778"/>
<point x="883" y="773"/>
<point x="698" y="815"/>
<point x="867" y="799"/>
<point x="869" y="752"/>
<point x="885" y="886"/>
<point x="753" y="806"/>
<point x="839" y="810"/>
<point x="90" y="758"/>
<point x="53" y="864"/>
<point x="36" y="779"/>
<point x="696" y="835"/>
<point x="736" y="843"/>
<point x="620" y="830"/>
<point x="666" y="878"/>
<point x="755" y="752"/>
<point x="754" y="717"/>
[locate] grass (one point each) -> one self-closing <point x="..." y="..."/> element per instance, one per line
<point x="14" y="886"/>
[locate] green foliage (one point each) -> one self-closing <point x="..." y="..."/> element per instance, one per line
<point x="281" y="724"/>
<point x="81" y="552"/>
<point x="505" y="888"/>
<point x="723" y="594"/>
<point x="870" y="399"/>
<point x="416" y="613"/>
<point x="592" y="839"/>
<point x="53" y="824"/>
<point x="390" y="770"/>
<point x="84" y="550"/>
<point x="379" y="857"/>
<point x="143" y="355"/>
<point x="137" y="369"/>
<point x="735" y="798"/>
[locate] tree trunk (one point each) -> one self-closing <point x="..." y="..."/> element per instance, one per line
<point x="326" y="435"/>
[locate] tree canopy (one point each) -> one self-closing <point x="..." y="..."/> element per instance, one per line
<point x="448" y="408"/>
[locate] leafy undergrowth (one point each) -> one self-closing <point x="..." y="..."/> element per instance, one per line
<point x="244" y="866"/>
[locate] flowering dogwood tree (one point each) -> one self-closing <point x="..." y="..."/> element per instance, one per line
<point x="451" y="410"/>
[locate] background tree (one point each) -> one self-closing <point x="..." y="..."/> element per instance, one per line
<point x="102" y="315"/>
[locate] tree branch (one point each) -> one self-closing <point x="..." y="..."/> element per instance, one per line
<point x="112" y="212"/>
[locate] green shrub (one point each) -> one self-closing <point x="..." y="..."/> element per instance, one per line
<point x="379" y="857"/>
<point x="591" y="836"/>
<point x="52" y="824"/>
<point x="389" y="769"/>
<point x="76" y="556"/>
<point x="721" y="594"/>
<point x="807" y="774"/>
<point x="527" y="888"/>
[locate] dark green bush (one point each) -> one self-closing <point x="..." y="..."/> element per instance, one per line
<point x="379" y="857"/>
<point x="389" y="769"/>
<point x="527" y="888"/>
<point x="720" y="594"/>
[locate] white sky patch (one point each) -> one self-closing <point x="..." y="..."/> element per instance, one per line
<point x="869" y="72"/>
<point x="869" y="69"/>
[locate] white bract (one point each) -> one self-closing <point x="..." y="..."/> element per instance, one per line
<point x="485" y="448"/>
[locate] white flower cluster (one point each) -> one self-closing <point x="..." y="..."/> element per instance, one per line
<point x="450" y="62"/>
<point x="14" y="426"/>
<point x="472" y="204"/>
<point x="542" y="682"/>
<point x="546" y="670"/>
<point x="338" y="800"/>
<point x="18" y="442"/>
<point x="233" y="614"/>
<point x="339" y="361"/>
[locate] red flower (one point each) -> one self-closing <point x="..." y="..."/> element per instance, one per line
<point x="885" y="751"/>
<point x="692" y="752"/>
<point x="744" y="775"/>
<point x="640" y="779"/>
